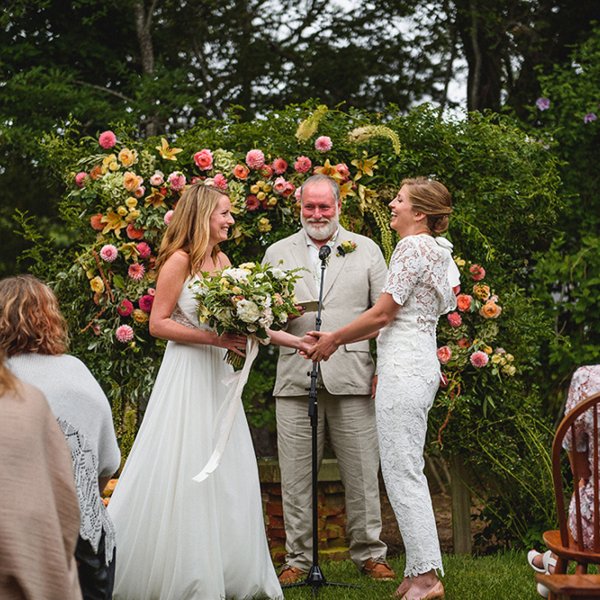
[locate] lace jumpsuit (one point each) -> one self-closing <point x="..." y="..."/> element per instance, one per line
<point x="409" y="376"/>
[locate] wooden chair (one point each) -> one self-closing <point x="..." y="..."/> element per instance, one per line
<point x="561" y="541"/>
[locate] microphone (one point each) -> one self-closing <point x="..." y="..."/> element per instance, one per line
<point x="324" y="252"/>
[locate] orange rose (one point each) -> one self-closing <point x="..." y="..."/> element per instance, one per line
<point x="96" y="172"/>
<point x="490" y="310"/>
<point x="481" y="291"/>
<point x="96" y="222"/>
<point x="241" y="172"/>
<point x="463" y="302"/>
<point x="133" y="233"/>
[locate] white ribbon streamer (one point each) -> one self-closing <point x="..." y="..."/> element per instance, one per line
<point x="233" y="400"/>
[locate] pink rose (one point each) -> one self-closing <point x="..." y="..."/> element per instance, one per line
<point x="444" y="354"/>
<point x="145" y="303"/>
<point x="343" y="170"/>
<point x="298" y="193"/>
<point x="143" y="249"/>
<point x="124" y="334"/>
<point x="255" y="159"/>
<point x="303" y="164"/>
<point x="290" y="188"/>
<point x="196" y="179"/>
<point x="80" y="178"/>
<point x="107" y="139"/>
<point x="266" y="171"/>
<point x="168" y="216"/>
<point x="252" y="202"/>
<point x="157" y="179"/>
<point x="139" y="192"/>
<point x="477" y="272"/>
<point x="279" y="166"/>
<point x="177" y="180"/>
<point x="479" y="359"/>
<point x="109" y="253"/>
<point x="125" y="308"/>
<point x="204" y="159"/>
<point x="279" y="185"/>
<point x="323" y="144"/>
<point x="454" y="319"/>
<point x="220" y="181"/>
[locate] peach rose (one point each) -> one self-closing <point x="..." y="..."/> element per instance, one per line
<point x="131" y="181"/>
<point x="463" y="302"/>
<point x="96" y="222"/>
<point x="444" y="354"/>
<point x="490" y="310"/>
<point x="241" y="172"/>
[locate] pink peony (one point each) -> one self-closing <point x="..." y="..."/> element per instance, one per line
<point x="280" y="185"/>
<point x="220" y="181"/>
<point x="136" y="271"/>
<point x="124" y="333"/>
<point x="145" y="303"/>
<point x="252" y="202"/>
<point x="302" y="164"/>
<point x="454" y="319"/>
<point x="107" y="139"/>
<point x="176" y="180"/>
<point x="323" y="144"/>
<point x="289" y="189"/>
<point x="157" y="179"/>
<point x="444" y="354"/>
<point x="80" y="178"/>
<point x="477" y="272"/>
<point x="168" y="216"/>
<point x="255" y="159"/>
<point x="143" y="250"/>
<point x="204" y="159"/>
<point x="125" y="308"/>
<point x="109" y="253"/>
<point x="279" y="166"/>
<point x="479" y="359"/>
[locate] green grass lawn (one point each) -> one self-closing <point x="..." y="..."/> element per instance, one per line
<point x="505" y="576"/>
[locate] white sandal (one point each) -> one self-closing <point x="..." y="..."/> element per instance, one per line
<point x="548" y="561"/>
<point x="534" y="554"/>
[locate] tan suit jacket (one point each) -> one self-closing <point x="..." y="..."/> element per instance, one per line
<point x="352" y="284"/>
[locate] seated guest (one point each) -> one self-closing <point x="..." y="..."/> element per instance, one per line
<point x="39" y="516"/>
<point x="34" y="336"/>
<point x="584" y="383"/>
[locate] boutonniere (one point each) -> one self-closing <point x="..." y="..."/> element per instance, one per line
<point x="345" y="248"/>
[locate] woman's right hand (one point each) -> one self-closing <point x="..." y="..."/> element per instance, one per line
<point x="232" y="341"/>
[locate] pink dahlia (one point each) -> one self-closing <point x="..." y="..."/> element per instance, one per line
<point x="151" y="291"/>
<point x="124" y="333"/>
<point x="107" y="139"/>
<point x="220" y="181"/>
<point x="168" y="216"/>
<point x="303" y="164"/>
<point x="177" y="180"/>
<point x="454" y="319"/>
<point x="204" y="159"/>
<point x="125" y="308"/>
<point x="80" y="178"/>
<point x="255" y="159"/>
<point x="136" y="271"/>
<point x="279" y="166"/>
<point x="145" y="303"/>
<point x="109" y="253"/>
<point x="444" y="354"/>
<point x="143" y="249"/>
<point x="323" y="144"/>
<point x="479" y="359"/>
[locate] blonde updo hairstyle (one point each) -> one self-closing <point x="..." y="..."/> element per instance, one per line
<point x="30" y="318"/>
<point x="189" y="229"/>
<point x="431" y="198"/>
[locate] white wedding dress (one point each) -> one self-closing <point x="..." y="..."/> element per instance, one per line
<point x="178" y="539"/>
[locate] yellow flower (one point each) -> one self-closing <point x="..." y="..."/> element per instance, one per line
<point x="236" y="290"/>
<point x="460" y="262"/>
<point x="247" y="266"/>
<point x="131" y="202"/>
<point x="122" y="211"/>
<point x="365" y="165"/>
<point x="254" y="189"/>
<point x="264" y="225"/>
<point x="127" y="157"/>
<point x="510" y="370"/>
<point x="166" y="151"/>
<point x="261" y="195"/>
<point x="156" y="199"/>
<point x="139" y="316"/>
<point x="309" y="126"/>
<point x="113" y="222"/>
<point x="509" y="357"/>
<point x="487" y="349"/>
<point x="272" y="201"/>
<point x="346" y="190"/>
<point x="97" y="285"/>
<point x="133" y="214"/>
<point x="131" y="181"/>
<point x="267" y="188"/>
<point x="329" y="170"/>
<point x="108" y="162"/>
<point x="497" y="359"/>
<point x="224" y="283"/>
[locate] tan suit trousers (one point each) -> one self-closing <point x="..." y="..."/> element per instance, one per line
<point x="352" y="431"/>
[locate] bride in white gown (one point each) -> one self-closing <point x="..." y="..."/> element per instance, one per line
<point x="178" y="539"/>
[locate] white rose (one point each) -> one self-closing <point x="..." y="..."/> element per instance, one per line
<point x="236" y="274"/>
<point x="267" y="318"/>
<point x="278" y="273"/>
<point x="247" y="311"/>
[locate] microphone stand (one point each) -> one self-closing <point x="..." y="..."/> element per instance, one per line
<point x="315" y="578"/>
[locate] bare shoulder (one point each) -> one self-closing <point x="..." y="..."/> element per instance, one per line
<point x="223" y="260"/>
<point x="178" y="261"/>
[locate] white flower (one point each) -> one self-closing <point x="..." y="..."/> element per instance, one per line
<point x="267" y="318"/>
<point x="248" y="266"/>
<point x="247" y="311"/>
<point x="278" y="273"/>
<point x="236" y="274"/>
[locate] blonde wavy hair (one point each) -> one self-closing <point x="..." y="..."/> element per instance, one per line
<point x="8" y="382"/>
<point x="189" y="229"/>
<point x="433" y="199"/>
<point x="30" y="318"/>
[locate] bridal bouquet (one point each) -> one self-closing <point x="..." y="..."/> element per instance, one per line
<point x="249" y="300"/>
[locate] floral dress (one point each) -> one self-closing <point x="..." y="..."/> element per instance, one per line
<point x="585" y="383"/>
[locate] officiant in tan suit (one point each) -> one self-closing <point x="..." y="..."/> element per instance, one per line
<point x="354" y="278"/>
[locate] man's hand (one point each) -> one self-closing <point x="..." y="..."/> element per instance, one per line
<point x="325" y="346"/>
<point x="300" y="309"/>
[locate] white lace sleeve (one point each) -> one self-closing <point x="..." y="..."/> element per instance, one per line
<point x="404" y="271"/>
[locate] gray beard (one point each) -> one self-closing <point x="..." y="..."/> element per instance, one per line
<point x="324" y="232"/>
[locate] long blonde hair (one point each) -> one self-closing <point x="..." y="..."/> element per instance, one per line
<point x="189" y="229"/>
<point x="30" y="318"/>
<point x="433" y="199"/>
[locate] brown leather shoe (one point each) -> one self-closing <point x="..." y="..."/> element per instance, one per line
<point x="378" y="569"/>
<point x="289" y="575"/>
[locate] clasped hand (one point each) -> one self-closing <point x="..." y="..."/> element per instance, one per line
<point x="318" y="345"/>
<point x="234" y="342"/>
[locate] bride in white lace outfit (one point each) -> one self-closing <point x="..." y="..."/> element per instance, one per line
<point x="417" y="292"/>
